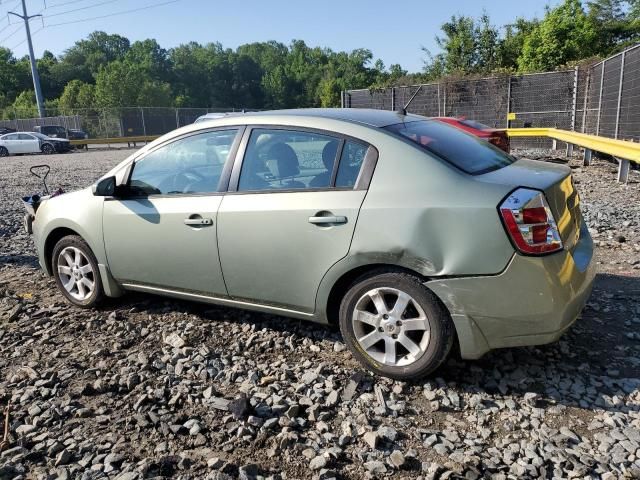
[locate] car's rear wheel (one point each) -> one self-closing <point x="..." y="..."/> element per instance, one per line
<point x="75" y="269"/>
<point x="4" y="152"/>
<point x="395" y="326"/>
<point x="48" y="149"/>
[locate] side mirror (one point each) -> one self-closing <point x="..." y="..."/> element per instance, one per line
<point x="105" y="187"/>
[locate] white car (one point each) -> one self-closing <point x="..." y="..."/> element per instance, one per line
<point x="31" y="142"/>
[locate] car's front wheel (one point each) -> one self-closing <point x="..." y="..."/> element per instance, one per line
<point x="48" y="149"/>
<point x="75" y="269"/>
<point x="4" y="152"/>
<point x="395" y="326"/>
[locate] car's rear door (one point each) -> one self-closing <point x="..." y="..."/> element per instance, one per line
<point x="290" y="213"/>
<point x="28" y="143"/>
<point x="162" y="233"/>
<point x="11" y="143"/>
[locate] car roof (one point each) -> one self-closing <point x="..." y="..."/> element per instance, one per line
<point x="365" y="116"/>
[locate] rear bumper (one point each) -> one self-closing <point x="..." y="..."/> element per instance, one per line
<point x="532" y="302"/>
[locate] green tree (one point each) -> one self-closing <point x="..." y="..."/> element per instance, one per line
<point x="512" y="43"/>
<point x="618" y="24"/>
<point x="565" y="34"/>
<point x="468" y="46"/>
<point x="121" y="84"/>
<point x="24" y="106"/>
<point x="77" y="95"/>
<point x="96" y="51"/>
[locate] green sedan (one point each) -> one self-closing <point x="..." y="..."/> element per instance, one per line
<point x="409" y="234"/>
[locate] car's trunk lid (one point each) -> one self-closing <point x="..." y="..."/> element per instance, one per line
<point x="556" y="183"/>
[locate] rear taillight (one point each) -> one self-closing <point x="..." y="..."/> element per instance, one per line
<point x="530" y="223"/>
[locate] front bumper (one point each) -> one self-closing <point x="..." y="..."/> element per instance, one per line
<point x="532" y="302"/>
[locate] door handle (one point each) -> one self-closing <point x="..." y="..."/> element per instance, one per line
<point x="330" y="220"/>
<point x="198" y="222"/>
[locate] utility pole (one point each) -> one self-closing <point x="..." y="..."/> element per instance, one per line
<point x="32" y="58"/>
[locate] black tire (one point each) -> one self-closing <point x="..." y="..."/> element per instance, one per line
<point x="442" y="332"/>
<point x="48" y="149"/>
<point x="4" y="152"/>
<point x="75" y="241"/>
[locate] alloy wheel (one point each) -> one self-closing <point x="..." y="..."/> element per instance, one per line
<point x="76" y="273"/>
<point x="4" y="152"/>
<point x="391" y="327"/>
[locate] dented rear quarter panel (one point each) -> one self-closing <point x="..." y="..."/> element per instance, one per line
<point x="426" y="216"/>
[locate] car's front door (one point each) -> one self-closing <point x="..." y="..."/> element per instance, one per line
<point x="162" y="233"/>
<point x="292" y="215"/>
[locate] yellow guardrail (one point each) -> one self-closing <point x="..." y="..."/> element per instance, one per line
<point x="106" y="141"/>
<point x="617" y="148"/>
<point x="624" y="151"/>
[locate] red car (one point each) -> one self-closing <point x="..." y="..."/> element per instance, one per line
<point x="494" y="136"/>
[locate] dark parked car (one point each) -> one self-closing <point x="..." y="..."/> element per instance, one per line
<point x="77" y="134"/>
<point x="4" y="130"/>
<point x="494" y="136"/>
<point x="51" y="131"/>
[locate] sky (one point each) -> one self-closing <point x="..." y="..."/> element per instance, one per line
<point x="394" y="31"/>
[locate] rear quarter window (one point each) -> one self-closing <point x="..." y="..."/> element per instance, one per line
<point x="463" y="150"/>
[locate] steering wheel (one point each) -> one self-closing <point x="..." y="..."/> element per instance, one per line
<point x="182" y="181"/>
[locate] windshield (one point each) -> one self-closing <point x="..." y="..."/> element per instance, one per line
<point x="468" y="153"/>
<point x="39" y="135"/>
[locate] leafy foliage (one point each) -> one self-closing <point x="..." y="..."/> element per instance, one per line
<point x="107" y="70"/>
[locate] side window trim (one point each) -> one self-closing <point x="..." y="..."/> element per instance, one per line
<point x="226" y="170"/>
<point x="366" y="170"/>
<point x="336" y="163"/>
<point x="362" y="182"/>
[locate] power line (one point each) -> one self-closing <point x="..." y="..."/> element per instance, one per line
<point x="56" y="5"/>
<point x="33" y="34"/>
<point x="11" y="34"/>
<point x="9" y="9"/>
<point x="6" y="26"/>
<point x="124" y="12"/>
<point x="80" y="9"/>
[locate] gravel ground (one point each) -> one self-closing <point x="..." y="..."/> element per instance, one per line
<point x="147" y="387"/>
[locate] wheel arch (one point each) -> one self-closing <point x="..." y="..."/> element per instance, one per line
<point x="52" y="238"/>
<point x="330" y="301"/>
<point x="49" y="144"/>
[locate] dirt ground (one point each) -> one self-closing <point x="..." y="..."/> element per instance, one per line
<point x="111" y="393"/>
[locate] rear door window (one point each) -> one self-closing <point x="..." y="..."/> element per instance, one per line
<point x="350" y="163"/>
<point x="465" y="151"/>
<point x="278" y="159"/>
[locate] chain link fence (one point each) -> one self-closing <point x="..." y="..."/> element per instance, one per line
<point x="112" y="122"/>
<point x="602" y="99"/>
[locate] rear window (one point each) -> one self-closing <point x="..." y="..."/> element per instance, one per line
<point x="468" y="153"/>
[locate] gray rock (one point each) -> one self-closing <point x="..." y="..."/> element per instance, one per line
<point x="397" y="459"/>
<point x="375" y="467"/>
<point x="371" y="439"/>
<point x="318" y="463"/>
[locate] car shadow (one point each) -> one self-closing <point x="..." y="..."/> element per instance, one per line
<point x="596" y="360"/>
<point x="597" y="350"/>
<point x="19" y="260"/>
